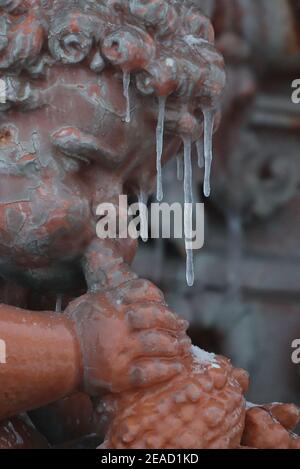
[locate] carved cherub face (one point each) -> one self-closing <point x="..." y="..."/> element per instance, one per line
<point x="79" y="115"/>
<point x="90" y="76"/>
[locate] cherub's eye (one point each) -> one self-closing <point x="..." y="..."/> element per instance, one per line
<point x="74" y="143"/>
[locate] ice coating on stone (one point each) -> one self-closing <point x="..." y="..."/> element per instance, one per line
<point x="202" y="358"/>
<point x="208" y="136"/>
<point x="192" y="41"/>
<point x="126" y="85"/>
<point x="18" y="438"/>
<point x="250" y="405"/>
<point x="179" y="161"/>
<point x="159" y="144"/>
<point x="143" y="201"/>
<point x="188" y="210"/>
<point x="199" y="147"/>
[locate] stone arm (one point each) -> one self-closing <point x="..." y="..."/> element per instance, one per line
<point x="140" y="342"/>
<point x="118" y="336"/>
<point x="40" y="359"/>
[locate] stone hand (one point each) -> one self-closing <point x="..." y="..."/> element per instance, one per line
<point x="271" y="427"/>
<point x="129" y="339"/>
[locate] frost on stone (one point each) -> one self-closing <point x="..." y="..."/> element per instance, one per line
<point x="250" y="405"/>
<point x="201" y="358"/>
<point x="192" y="41"/>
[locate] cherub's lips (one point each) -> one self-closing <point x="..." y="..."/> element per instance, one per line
<point x="74" y="143"/>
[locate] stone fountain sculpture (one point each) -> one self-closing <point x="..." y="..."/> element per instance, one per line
<point x="98" y="95"/>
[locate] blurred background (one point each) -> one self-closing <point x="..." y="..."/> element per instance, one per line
<point x="245" y="302"/>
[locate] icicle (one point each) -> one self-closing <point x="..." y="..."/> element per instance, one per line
<point x="188" y="210"/>
<point x="208" y="135"/>
<point x="190" y="275"/>
<point x="126" y="85"/>
<point x="179" y="167"/>
<point x="58" y="306"/>
<point x="159" y="145"/>
<point x="143" y="201"/>
<point x="199" y="147"/>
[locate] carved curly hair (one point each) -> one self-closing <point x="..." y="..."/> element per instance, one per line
<point x="137" y="36"/>
<point x="165" y="47"/>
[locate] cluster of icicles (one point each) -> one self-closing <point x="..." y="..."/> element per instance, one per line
<point x="205" y="156"/>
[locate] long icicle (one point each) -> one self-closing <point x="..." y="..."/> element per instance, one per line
<point x="143" y="201"/>
<point x="208" y="136"/>
<point x="179" y="161"/>
<point x="126" y="85"/>
<point x="188" y="210"/>
<point x="199" y="147"/>
<point x="159" y="145"/>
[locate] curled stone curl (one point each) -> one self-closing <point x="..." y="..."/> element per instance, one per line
<point x="71" y="37"/>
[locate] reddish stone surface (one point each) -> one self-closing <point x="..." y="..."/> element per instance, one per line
<point x="65" y="147"/>
<point x="203" y="408"/>
<point x="18" y="434"/>
<point x="270" y="427"/>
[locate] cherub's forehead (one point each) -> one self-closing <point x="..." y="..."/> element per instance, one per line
<point x="58" y="27"/>
<point x="163" y="48"/>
